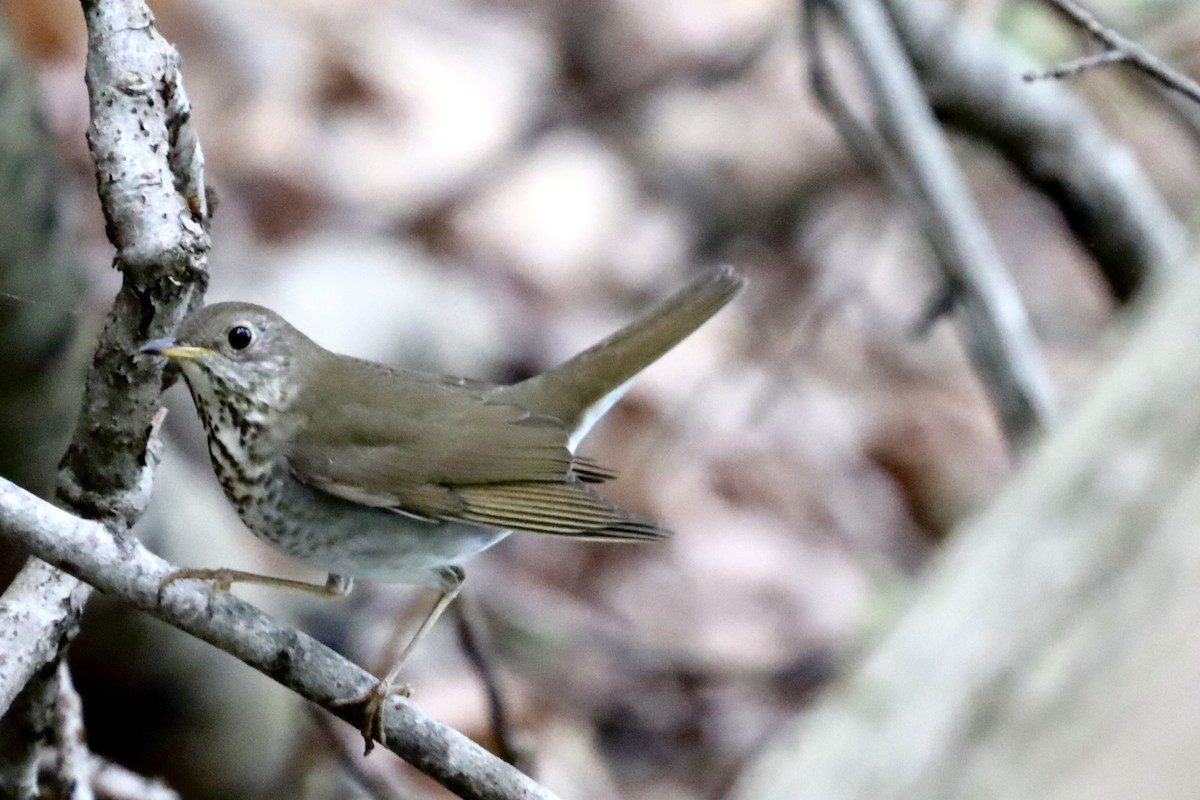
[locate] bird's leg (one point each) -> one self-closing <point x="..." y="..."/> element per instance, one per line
<point x="451" y="579"/>
<point x="222" y="579"/>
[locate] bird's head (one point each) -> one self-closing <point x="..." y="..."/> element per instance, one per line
<point x="237" y="349"/>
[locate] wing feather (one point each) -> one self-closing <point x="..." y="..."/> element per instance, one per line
<point x="450" y="453"/>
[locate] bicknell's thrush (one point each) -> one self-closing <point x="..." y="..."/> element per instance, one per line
<point x="372" y="472"/>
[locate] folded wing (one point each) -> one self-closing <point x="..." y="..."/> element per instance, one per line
<point x="448" y="453"/>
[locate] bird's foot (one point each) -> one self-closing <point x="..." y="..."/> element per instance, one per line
<point x="373" y="704"/>
<point x="219" y="580"/>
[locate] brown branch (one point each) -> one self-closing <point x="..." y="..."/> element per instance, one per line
<point x="1119" y="49"/>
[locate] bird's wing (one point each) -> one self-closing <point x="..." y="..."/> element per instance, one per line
<point x="442" y="451"/>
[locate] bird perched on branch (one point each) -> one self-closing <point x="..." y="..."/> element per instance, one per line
<point x="373" y="472"/>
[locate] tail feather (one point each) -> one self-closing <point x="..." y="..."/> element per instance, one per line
<point x="580" y="390"/>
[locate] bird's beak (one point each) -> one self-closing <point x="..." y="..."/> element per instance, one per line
<point x="176" y="352"/>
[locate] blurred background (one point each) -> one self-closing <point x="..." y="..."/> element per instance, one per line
<point x="484" y="187"/>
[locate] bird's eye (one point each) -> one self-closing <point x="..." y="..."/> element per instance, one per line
<point x="240" y="337"/>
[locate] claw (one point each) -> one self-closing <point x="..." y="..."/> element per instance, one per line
<point x="373" y="701"/>
<point x="219" y="580"/>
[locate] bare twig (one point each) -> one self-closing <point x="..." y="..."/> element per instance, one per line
<point x="997" y="331"/>
<point x="119" y="565"/>
<point x="467" y="624"/>
<point x="1068" y="68"/>
<point x="1050" y="139"/>
<point x="1118" y="50"/>
<point x="350" y="758"/>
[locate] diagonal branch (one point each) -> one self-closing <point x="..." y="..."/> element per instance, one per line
<point x="119" y="565"/>
<point x="998" y="335"/>
<point x="1118" y="49"/>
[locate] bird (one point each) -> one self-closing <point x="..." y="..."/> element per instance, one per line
<point x="379" y="473"/>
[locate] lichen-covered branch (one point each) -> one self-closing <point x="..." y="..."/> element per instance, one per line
<point x="119" y="565"/>
<point x="38" y="612"/>
<point x="150" y="180"/>
<point x="145" y="155"/>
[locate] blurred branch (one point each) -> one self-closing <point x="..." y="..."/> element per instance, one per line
<point x="1051" y="653"/>
<point x="349" y="757"/>
<point x="997" y="332"/>
<point x="113" y="782"/>
<point x="1119" y="50"/>
<point x="1050" y="139"/>
<point x="467" y="624"/>
<point x="119" y="565"/>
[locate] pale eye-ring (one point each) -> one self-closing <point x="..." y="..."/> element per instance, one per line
<point x="240" y="336"/>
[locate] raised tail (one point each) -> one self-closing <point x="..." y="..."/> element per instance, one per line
<point x="582" y="389"/>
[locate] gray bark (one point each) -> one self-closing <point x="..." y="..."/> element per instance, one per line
<point x="996" y="329"/>
<point x="120" y="566"/>
<point x="150" y="180"/>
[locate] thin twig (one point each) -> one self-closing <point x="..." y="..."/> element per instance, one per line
<point x="1071" y="68"/>
<point x="1120" y="50"/>
<point x="998" y="335"/>
<point x="350" y="759"/>
<point x="870" y="149"/>
<point x="863" y="143"/>
<point x="1050" y="139"/>
<point x="467" y="623"/>
<point x="120" y="566"/>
